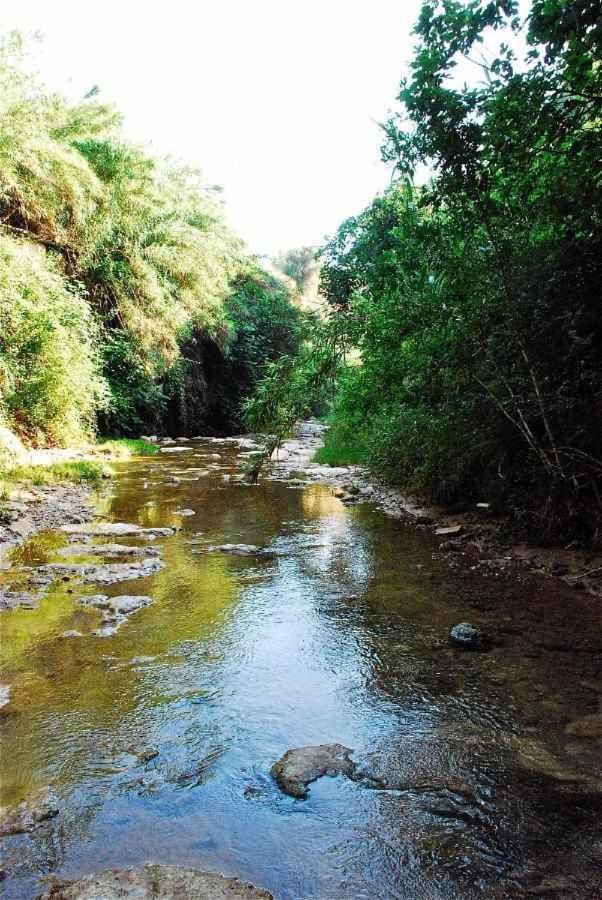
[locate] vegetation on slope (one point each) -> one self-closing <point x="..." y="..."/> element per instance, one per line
<point x="111" y="263"/>
<point x="474" y="299"/>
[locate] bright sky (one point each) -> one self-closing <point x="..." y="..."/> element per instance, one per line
<point x="276" y="100"/>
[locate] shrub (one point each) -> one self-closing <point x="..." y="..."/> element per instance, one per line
<point x="50" y="382"/>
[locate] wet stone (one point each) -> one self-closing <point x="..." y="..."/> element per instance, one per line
<point x="24" y="818"/>
<point x="18" y="600"/>
<point x="467" y="637"/>
<point x="586" y="727"/>
<point x="240" y="549"/>
<point x="146" y="755"/>
<point x="117" y="528"/>
<point x="108" y="550"/>
<point x="156" y="882"/>
<point x="176" y="449"/>
<point x="110" y="573"/>
<point x="115" y="610"/>
<point x="299" y="767"/>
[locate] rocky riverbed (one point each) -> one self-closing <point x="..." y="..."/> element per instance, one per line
<point x="282" y="683"/>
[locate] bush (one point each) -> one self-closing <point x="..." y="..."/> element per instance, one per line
<point x="51" y="387"/>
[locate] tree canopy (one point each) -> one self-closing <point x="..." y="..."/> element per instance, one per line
<point x="474" y="298"/>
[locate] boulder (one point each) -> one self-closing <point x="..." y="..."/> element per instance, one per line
<point x="298" y="768"/>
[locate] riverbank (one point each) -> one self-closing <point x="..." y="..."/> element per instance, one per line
<point x="474" y="539"/>
<point x="47" y="488"/>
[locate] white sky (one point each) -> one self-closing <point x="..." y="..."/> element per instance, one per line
<point x="276" y="100"/>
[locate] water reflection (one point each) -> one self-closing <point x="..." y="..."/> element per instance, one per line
<point x="158" y="740"/>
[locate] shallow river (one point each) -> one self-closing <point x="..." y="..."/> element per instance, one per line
<point x="491" y="761"/>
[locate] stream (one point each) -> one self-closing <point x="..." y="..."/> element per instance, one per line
<point x="156" y="738"/>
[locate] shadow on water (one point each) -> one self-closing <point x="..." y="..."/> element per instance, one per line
<point x="157" y="741"/>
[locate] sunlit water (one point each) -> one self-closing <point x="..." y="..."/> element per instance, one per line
<point x="341" y="635"/>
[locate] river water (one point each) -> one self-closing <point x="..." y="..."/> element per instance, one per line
<point x="492" y="761"/>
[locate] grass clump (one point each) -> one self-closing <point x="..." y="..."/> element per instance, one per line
<point x="125" y="447"/>
<point x="343" y="446"/>
<point x="78" y="472"/>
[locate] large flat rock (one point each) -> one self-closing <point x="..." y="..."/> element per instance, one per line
<point x="109" y="573"/>
<point x="109" y="550"/>
<point x="116" y="528"/>
<point x="156" y="882"/>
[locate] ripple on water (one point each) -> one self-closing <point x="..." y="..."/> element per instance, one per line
<point x="158" y="740"/>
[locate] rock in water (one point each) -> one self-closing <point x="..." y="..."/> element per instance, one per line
<point x="586" y="727"/>
<point x="298" y="768"/>
<point x="176" y="449"/>
<point x="156" y="882"/>
<point x="116" y="528"/>
<point x="115" y="610"/>
<point x="25" y="818"/>
<point x="107" y="550"/>
<point x="109" y="573"/>
<point x="240" y="549"/>
<point x="467" y="637"/>
<point x="16" y="599"/>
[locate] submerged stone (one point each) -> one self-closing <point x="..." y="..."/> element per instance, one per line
<point x="115" y="610"/>
<point x="146" y="755"/>
<point x="154" y="882"/>
<point x="110" y="573"/>
<point x="18" y="599"/>
<point x="26" y="817"/>
<point x="239" y="549"/>
<point x="586" y="727"/>
<point x="298" y="768"/>
<point x="467" y="637"/>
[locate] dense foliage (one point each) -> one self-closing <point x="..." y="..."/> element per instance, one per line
<point x="110" y="263"/>
<point x="474" y="300"/>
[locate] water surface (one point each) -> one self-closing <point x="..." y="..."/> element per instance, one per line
<point x="340" y="635"/>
